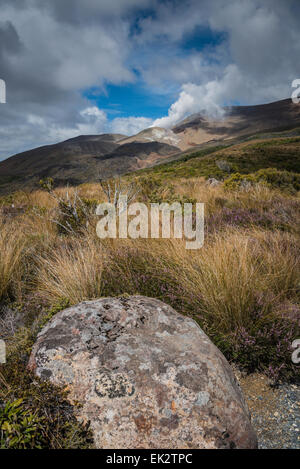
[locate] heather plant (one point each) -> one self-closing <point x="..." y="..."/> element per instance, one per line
<point x="243" y="218"/>
<point x="266" y="344"/>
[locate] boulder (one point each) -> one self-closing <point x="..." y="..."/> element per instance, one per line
<point x="146" y="376"/>
<point x="213" y="182"/>
<point x="224" y="165"/>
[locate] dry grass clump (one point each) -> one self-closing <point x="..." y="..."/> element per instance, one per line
<point x="72" y="271"/>
<point x="12" y="252"/>
<point x="222" y="282"/>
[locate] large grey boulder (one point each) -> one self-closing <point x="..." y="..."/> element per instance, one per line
<point x="146" y="376"/>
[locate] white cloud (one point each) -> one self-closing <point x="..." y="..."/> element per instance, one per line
<point x="91" y="121"/>
<point x="256" y="63"/>
<point x="129" y="125"/>
<point x="211" y="97"/>
<point x="193" y="98"/>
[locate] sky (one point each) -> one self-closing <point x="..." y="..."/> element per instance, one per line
<point x="75" y="67"/>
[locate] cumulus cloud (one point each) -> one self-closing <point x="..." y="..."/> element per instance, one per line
<point x="95" y="122"/>
<point x="194" y="98"/>
<point x="255" y="64"/>
<point x="91" y="121"/>
<point x="129" y="125"/>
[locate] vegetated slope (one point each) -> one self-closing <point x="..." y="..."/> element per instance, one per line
<point x="246" y="157"/>
<point x="70" y="160"/>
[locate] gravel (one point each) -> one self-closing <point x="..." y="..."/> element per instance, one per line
<point x="275" y="412"/>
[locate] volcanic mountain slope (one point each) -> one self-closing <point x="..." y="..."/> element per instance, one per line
<point x="79" y="160"/>
<point x="155" y="134"/>
<point x="237" y="121"/>
<point x="85" y="158"/>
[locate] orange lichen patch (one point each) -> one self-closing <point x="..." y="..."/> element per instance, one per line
<point x="144" y="423"/>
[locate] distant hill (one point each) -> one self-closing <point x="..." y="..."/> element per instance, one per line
<point x="84" y="158"/>
<point x="78" y="160"/>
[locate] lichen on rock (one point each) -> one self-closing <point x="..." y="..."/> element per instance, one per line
<point x="146" y="376"/>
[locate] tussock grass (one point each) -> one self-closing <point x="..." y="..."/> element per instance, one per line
<point x="222" y="282"/>
<point x="12" y="251"/>
<point x="242" y="286"/>
<point x="73" y="271"/>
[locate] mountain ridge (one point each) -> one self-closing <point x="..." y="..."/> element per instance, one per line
<point x="84" y="158"/>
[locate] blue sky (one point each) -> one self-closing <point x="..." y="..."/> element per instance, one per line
<point x="139" y="99"/>
<point x="133" y="99"/>
<point x="89" y="67"/>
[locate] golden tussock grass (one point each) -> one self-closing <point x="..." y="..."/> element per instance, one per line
<point x="223" y="279"/>
<point x="73" y="271"/>
<point x="12" y="251"/>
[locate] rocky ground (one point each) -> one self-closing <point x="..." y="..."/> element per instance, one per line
<point x="275" y="412"/>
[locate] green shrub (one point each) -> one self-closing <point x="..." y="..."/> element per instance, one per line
<point x="20" y="428"/>
<point x="281" y="179"/>
<point x="34" y="413"/>
<point x="284" y="180"/>
<point x="236" y="181"/>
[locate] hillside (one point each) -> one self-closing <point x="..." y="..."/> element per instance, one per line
<point x="282" y="153"/>
<point x="84" y="158"/>
<point x="80" y="159"/>
<point x="238" y="121"/>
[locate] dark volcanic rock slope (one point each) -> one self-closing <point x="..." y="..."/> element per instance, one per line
<point x="79" y="160"/>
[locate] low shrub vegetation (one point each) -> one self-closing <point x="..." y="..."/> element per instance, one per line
<point x="271" y="177"/>
<point x="242" y="287"/>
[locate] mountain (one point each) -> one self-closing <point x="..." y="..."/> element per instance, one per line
<point x="80" y="159"/>
<point x="84" y="158"/>
<point x="237" y="121"/>
<point x="154" y="134"/>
